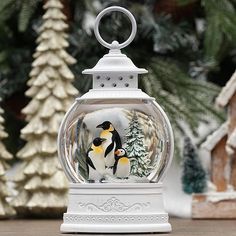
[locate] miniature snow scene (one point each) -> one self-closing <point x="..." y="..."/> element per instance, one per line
<point x="116" y="142"/>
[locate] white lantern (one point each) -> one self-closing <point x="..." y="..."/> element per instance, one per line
<point x="115" y="145"/>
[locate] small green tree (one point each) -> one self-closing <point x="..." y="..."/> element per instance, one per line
<point x="136" y="149"/>
<point x="193" y="176"/>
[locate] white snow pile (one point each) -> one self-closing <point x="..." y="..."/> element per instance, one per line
<point x="220" y="196"/>
<point x="214" y="196"/>
<point x="110" y="178"/>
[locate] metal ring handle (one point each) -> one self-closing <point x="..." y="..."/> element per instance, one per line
<point x="115" y="44"/>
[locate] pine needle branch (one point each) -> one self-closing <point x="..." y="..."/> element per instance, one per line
<point x="183" y="98"/>
<point x="221" y="21"/>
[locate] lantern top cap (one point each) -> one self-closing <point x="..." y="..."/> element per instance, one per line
<point x="115" y="61"/>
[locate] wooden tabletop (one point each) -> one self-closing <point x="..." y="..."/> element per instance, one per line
<point x="181" y="227"/>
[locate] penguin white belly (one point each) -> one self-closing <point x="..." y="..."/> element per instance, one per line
<point x="98" y="162"/>
<point x="123" y="168"/>
<point x="94" y="174"/>
<point x="110" y="158"/>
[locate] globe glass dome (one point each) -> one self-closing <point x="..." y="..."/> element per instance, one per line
<point x="142" y="155"/>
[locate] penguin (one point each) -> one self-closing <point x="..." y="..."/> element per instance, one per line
<point x="112" y="143"/>
<point x="122" y="164"/>
<point x="95" y="160"/>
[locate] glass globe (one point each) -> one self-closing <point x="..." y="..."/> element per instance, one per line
<point x="115" y="141"/>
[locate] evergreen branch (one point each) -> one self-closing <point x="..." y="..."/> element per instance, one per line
<point x="4" y="5"/>
<point x="27" y="9"/>
<point x="6" y="9"/>
<point x="24" y="9"/>
<point x="185" y="2"/>
<point x="166" y="35"/>
<point x="174" y="108"/>
<point x="221" y="21"/>
<point x="183" y="98"/>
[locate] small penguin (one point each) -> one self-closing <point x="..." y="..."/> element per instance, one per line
<point x="122" y="164"/>
<point x="112" y="143"/>
<point x="95" y="160"/>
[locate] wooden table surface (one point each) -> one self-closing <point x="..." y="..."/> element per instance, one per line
<point x="181" y="227"/>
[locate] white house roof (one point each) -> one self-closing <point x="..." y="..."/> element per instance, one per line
<point x="227" y="92"/>
<point x="215" y="137"/>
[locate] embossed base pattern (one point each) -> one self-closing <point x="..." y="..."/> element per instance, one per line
<point x="117" y="219"/>
<point x="113" y="204"/>
<point x="115" y="224"/>
<point x="115" y="209"/>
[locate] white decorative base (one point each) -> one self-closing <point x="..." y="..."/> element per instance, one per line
<point x="115" y="208"/>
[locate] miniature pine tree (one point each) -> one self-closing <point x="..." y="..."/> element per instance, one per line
<point x="136" y="149"/>
<point x="193" y="176"/>
<point x="41" y="182"/>
<point x="5" y="209"/>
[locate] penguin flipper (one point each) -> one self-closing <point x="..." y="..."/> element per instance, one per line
<point x="115" y="167"/>
<point x="90" y="163"/>
<point x="109" y="149"/>
<point x="88" y="160"/>
<point x="117" y="139"/>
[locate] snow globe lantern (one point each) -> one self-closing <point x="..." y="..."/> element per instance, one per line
<point x="115" y="145"/>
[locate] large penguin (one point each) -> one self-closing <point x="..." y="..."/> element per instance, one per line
<point x="112" y="143"/>
<point x="95" y="160"/>
<point x="121" y="167"/>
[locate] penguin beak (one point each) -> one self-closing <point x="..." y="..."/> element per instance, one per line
<point x="117" y="152"/>
<point x="103" y="139"/>
<point x="99" y="126"/>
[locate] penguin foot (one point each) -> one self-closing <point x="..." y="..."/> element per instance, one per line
<point x="109" y="167"/>
<point x="101" y="180"/>
<point x="122" y="178"/>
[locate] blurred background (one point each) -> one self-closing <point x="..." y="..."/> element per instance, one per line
<point x="188" y="47"/>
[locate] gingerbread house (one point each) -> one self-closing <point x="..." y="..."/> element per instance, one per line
<point x="219" y="201"/>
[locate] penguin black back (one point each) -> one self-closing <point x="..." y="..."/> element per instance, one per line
<point x="107" y="125"/>
<point x="117" y="139"/>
